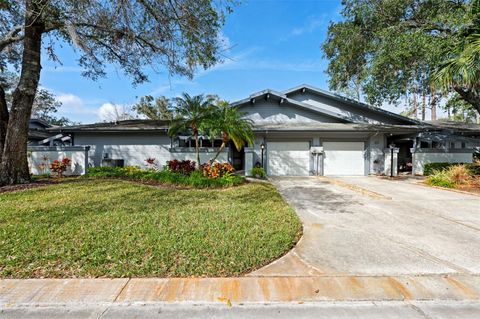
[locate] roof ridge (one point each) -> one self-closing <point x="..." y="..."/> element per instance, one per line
<point x="349" y="100"/>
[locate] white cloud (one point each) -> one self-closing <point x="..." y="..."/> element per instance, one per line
<point x="73" y="106"/>
<point x="110" y="112"/>
<point x="225" y="43"/>
<point x="312" y="23"/>
<point x="71" y="101"/>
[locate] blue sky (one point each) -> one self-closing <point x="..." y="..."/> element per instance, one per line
<point x="273" y="44"/>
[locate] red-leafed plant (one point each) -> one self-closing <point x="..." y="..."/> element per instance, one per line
<point x="216" y="169"/>
<point x="59" y="167"/>
<point x="151" y="163"/>
<point x="185" y="167"/>
<point x="150" y="160"/>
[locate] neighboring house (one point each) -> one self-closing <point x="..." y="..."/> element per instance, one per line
<point x="40" y="135"/>
<point x="37" y="131"/>
<point x="299" y="132"/>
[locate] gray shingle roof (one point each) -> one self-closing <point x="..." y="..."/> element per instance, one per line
<point x="138" y="125"/>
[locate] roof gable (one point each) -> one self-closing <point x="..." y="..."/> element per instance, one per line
<point x="273" y="106"/>
<point x="351" y="109"/>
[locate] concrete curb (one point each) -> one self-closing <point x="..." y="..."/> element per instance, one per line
<point x="447" y="189"/>
<point x="35" y="292"/>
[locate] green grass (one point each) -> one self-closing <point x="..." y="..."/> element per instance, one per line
<point x="113" y="228"/>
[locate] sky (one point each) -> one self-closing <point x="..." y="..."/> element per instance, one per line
<point x="272" y="44"/>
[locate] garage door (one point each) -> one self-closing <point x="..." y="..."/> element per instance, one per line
<point x="288" y="158"/>
<point x="343" y="158"/>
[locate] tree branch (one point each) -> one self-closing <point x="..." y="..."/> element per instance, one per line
<point x="11" y="37"/>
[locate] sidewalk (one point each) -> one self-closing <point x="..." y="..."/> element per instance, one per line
<point x="38" y="292"/>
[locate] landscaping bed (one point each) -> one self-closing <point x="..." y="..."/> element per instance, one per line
<point x="464" y="177"/>
<point x="113" y="228"/>
<point x="195" y="179"/>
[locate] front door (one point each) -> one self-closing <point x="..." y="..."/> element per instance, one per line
<point x="237" y="158"/>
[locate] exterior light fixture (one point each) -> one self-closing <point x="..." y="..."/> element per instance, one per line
<point x="262" y="146"/>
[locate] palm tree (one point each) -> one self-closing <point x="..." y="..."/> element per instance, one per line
<point x="461" y="72"/>
<point x="229" y="123"/>
<point x="192" y="113"/>
<point x="463" y="69"/>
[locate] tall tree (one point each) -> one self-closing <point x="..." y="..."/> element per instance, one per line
<point x="178" y="35"/>
<point x="45" y="105"/>
<point x="152" y="108"/>
<point x="461" y="71"/>
<point x="229" y="123"/>
<point x="192" y="114"/>
<point x="388" y="49"/>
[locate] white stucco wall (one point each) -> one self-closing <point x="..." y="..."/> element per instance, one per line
<point x="44" y="156"/>
<point x="134" y="149"/>
<point x="422" y="158"/>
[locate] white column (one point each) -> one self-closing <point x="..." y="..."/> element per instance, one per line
<point x="388" y="161"/>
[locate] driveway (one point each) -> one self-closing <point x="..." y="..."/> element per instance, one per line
<point x="372" y="226"/>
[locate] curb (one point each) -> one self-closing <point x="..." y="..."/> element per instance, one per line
<point x="30" y="292"/>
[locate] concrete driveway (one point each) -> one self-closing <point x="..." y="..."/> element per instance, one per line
<point x="372" y="226"/>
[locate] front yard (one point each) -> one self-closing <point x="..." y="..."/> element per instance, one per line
<point x="112" y="228"/>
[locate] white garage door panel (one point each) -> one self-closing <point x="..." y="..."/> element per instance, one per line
<point x="288" y="158"/>
<point x="343" y="158"/>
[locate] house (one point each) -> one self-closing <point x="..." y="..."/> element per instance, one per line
<point x="298" y="132"/>
<point x="37" y="131"/>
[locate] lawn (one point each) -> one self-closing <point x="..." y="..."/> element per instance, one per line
<point x="113" y="228"/>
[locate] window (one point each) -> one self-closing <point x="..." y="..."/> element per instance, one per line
<point x="205" y="143"/>
<point x="438" y="145"/>
<point x="464" y="145"/>
<point x="189" y="141"/>
<point x="452" y="145"/>
<point x="424" y="144"/>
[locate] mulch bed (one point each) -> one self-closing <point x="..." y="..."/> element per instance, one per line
<point x="33" y="184"/>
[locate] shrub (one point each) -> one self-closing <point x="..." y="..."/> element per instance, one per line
<point x="474" y="167"/>
<point x="195" y="179"/>
<point x="430" y="168"/>
<point x="59" y="167"/>
<point x="217" y="169"/>
<point x="452" y="177"/>
<point x="258" y="172"/>
<point x="440" y="178"/>
<point x="459" y="175"/>
<point x="185" y="167"/>
<point x="151" y="163"/>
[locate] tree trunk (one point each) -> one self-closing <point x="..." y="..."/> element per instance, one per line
<point x="219" y="151"/>
<point x="14" y="165"/>
<point x="470" y="96"/>
<point x="424" y="106"/>
<point x="197" y="147"/>
<point x="415" y="106"/>
<point x="433" y="106"/>
<point x="3" y="120"/>
<point x="225" y="139"/>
